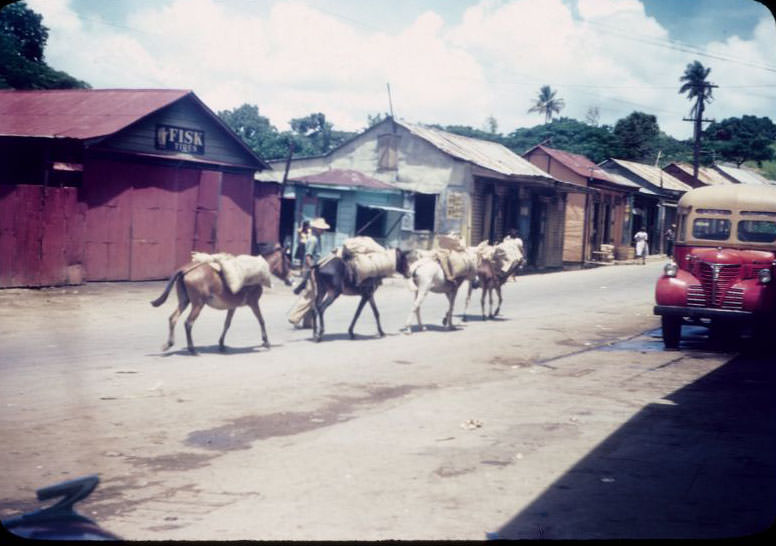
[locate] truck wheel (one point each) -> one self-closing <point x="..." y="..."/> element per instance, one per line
<point x="672" y="331"/>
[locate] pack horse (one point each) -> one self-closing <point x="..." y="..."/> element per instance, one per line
<point x="206" y="281"/>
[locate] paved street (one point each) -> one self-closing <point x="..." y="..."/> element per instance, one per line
<point x="563" y="418"/>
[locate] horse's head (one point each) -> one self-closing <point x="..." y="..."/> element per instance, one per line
<point x="279" y="260"/>
<point x="402" y="262"/>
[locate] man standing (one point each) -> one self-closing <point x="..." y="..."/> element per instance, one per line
<point x="670" y="236"/>
<point x="312" y="250"/>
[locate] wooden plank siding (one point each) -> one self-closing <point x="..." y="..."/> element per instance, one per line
<point x="141" y="137"/>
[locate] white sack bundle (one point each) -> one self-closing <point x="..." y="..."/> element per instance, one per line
<point x="237" y="271"/>
<point x="451" y="242"/>
<point x="508" y="254"/>
<point x="374" y="264"/>
<point x="360" y="245"/>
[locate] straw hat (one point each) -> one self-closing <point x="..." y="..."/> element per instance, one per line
<point x="319" y="223"/>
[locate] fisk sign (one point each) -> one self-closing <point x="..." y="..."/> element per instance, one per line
<point x="180" y="139"/>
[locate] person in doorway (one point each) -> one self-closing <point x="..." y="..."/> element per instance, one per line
<point x="642" y="247"/>
<point x="302" y="234"/>
<point x="312" y="250"/>
<point x="670" y="235"/>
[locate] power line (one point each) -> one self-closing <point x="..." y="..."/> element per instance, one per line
<point x="677" y="46"/>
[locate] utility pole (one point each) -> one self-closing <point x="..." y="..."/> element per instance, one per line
<point x="697" y="121"/>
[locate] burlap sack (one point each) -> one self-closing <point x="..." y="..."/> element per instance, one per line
<point x="375" y="264"/>
<point x="360" y="245"/>
<point x="451" y="242"/>
<point x="508" y="254"/>
<point x="237" y="271"/>
<point x="462" y="265"/>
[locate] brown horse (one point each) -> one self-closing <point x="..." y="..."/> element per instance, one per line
<point x="199" y="284"/>
<point x="332" y="279"/>
<point x="491" y="278"/>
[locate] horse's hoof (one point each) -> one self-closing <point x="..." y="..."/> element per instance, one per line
<point x="193" y="351"/>
<point x="266" y="345"/>
<point x="352" y="335"/>
<point x="166" y="346"/>
<point x="222" y="348"/>
<point x="381" y="333"/>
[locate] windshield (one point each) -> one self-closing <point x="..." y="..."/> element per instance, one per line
<point x="714" y="229"/>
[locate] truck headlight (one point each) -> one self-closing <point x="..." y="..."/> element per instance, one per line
<point x="670" y="269"/>
<point x="765" y="276"/>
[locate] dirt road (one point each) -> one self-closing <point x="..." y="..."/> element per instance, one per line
<point x="435" y="435"/>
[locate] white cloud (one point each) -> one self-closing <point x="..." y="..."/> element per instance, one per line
<point x="293" y="59"/>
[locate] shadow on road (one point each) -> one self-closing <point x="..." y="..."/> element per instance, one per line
<point x="214" y="350"/>
<point x="699" y="464"/>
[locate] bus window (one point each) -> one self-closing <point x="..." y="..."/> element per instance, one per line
<point x="714" y="229"/>
<point x="757" y="231"/>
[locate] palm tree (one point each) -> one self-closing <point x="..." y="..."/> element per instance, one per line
<point x="697" y="87"/>
<point x="547" y="104"/>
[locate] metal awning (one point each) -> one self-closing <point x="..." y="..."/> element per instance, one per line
<point x="386" y="208"/>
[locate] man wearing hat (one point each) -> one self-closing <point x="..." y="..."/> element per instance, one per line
<point x="312" y="250"/>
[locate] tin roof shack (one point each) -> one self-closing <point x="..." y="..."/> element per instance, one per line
<point x="741" y="175"/>
<point x="117" y="185"/>
<point x="452" y="183"/>
<point x="654" y="205"/>
<point x="594" y="218"/>
<point x="352" y="203"/>
<point x="707" y="176"/>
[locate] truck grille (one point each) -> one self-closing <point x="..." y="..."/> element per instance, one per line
<point x="716" y="292"/>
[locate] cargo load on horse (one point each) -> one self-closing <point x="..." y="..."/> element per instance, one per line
<point x="237" y="271"/>
<point x="457" y="263"/>
<point x="367" y="259"/>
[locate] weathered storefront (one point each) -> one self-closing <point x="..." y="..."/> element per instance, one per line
<point x="452" y="183"/>
<point x="147" y="176"/>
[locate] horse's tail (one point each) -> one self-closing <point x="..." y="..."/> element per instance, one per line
<point x="163" y="298"/>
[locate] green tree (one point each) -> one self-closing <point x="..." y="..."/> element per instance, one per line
<point x="547" y="103"/>
<point x="697" y="87"/>
<point x="637" y="137"/>
<point x="595" y="143"/>
<point x="747" y="138"/>
<point x="22" y="42"/>
<point x="256" y="131"/>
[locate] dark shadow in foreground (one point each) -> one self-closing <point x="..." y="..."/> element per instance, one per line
<point x="700" y="465"/>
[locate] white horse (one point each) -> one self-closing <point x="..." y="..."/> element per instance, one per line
<point x="426" y="275"/>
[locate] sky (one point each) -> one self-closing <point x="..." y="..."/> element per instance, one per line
<point x="449" y="62"/>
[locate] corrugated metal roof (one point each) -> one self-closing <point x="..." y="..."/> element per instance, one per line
<point x="344" y="177"/>
<point x="654" y="175"/>
<point x="621" y="180"/>
<point x="744" y="176"/>
<point x="582" y="166"/>
<point x="706" y="175"/>
<point x="78" y="113"/>
<point x="489" y="155"/>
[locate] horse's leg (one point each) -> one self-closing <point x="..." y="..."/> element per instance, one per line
<point x="254" y="305"/>
<point x="500" y="299"/>
<point x="376" y="313"/>
<point x="227" y="324"/>
<point x="420" y="295"/>
<point x="485" y="290"/>
<point x="468" y="297"/>
<point x="196" y="308"/>
<point x="451" y="298"/>
<point x="355" y="317"/>
<point x="328" y="299"/>
<point x="183" y="302"/>
<point x="491" y="314"/>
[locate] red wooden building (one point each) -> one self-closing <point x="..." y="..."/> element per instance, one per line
<point x="121" y="185"/>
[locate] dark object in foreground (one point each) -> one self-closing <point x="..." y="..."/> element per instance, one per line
<point x="60" y="521"/>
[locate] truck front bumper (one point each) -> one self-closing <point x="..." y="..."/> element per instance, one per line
<point x="702" y="312"/>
